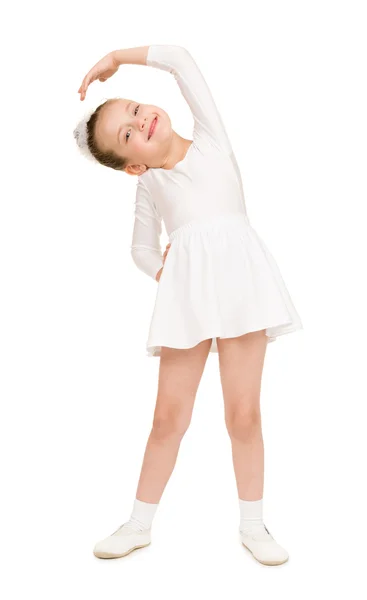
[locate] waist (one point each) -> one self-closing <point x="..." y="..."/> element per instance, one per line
<point x="212" y="223"/>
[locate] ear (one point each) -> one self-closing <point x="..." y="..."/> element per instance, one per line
<point x="135" y="169"/>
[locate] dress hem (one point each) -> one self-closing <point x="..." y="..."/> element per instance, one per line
<point x="154" y="350"/>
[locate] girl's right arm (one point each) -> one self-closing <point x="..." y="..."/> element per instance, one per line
<point x="145" y="246"/>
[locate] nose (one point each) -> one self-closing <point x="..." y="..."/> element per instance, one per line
<point x="142" y="122"/>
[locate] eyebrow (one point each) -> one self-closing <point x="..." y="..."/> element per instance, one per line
<point x="119" y="129"/>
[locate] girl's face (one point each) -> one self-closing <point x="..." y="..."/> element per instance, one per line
<point x="141" y="133"/>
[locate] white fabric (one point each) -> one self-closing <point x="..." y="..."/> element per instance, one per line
<point x="81" y="136"/>
<point x="256" y="537"/>
<point x="251" y="513"/>
<point x="219" y="279"/>
<point x="264" y="547"/>
<point x="142" y="515"/>
<point x="122" y="542"/>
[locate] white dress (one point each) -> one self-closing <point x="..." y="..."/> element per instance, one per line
<point x="219" y="279"/>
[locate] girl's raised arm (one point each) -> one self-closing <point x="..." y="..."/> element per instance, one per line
<point x="145" y="247"/>
<point x="178" y="61"/>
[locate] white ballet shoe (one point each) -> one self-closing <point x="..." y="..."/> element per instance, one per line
<point x="263" y="546"/>
<point x="122" y="542"/>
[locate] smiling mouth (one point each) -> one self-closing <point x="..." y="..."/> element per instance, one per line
<point x="152" y="127"/>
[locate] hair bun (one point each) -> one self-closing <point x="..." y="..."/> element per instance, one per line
<point x="81" y="136"/>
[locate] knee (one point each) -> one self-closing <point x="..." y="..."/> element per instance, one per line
<point x="169" y="425"/>
<point x="243" y="424"/>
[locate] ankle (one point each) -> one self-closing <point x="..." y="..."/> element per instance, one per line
<point x="142" y="515"/>
<point x="136" y="525"/>
<point x="252" y="526"/>
<point x="251" y="515"/>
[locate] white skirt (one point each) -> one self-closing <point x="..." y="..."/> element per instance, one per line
<point x="219" y="280"/>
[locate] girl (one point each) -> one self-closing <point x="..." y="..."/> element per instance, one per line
<point x="219" y="288"/>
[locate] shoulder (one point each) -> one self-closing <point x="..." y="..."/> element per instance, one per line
<point x="142" y="185"/>
<point x="208" y="146"/>
<point x="145" y="180"/>
<point x="145" y="193"/>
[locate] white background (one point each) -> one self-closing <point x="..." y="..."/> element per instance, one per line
<point x="77" y="389"/>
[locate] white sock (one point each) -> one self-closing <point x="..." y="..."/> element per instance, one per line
<point x="142" y="515"/>
<point x="251" y="514"/>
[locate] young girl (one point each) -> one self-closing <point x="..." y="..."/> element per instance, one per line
<point x="219" y="289"/>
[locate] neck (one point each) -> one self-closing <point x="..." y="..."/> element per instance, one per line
<point x="177" y="151"/>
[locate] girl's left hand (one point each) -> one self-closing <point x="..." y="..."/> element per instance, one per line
<point x="102" y="70"/>
<point x="166" y="252"/>
<point x="158" y="276"/>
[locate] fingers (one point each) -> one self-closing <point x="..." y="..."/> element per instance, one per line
<point x="166" y="250"/>
<point x="84" y="86"/>
<point x="83" y="90"/>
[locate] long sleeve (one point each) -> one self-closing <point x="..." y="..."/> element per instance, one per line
<point x="145" y="248"/>
<point x="178" y="61"/>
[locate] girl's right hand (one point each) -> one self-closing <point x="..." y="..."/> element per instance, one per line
<point x="102" y="70"/>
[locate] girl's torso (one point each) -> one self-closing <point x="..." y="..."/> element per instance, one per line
<point x="205" y="183"/>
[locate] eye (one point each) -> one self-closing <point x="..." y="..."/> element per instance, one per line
<point x="136" y="110"/>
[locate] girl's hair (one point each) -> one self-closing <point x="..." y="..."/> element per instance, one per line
<point x="107" y="158"/>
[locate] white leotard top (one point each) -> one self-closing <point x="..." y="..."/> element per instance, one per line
<point x="207" y="182"/>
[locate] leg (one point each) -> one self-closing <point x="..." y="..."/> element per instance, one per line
<point x="241" y="362"/>
<point x="180" y="373"/>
